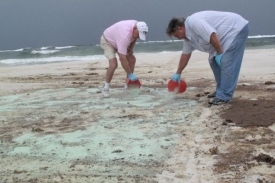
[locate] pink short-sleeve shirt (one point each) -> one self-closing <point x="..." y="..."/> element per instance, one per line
<point x="120" y="35"/>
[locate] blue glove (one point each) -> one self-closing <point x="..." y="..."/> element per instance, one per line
<point x="176" y="77"/>
<point x="218" y="59"/>
<point x="132" y="77"/>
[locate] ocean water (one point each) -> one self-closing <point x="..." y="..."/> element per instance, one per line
<point x="50" y="54"/>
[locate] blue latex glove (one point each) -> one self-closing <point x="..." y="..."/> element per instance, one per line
<point x="132" y="77"/>
<point x="176" y="77"/>
<point x="218" y="59"/>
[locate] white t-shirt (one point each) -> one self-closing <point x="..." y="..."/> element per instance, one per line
<point x="199" y="27"/>
<point x="120" y="35"/>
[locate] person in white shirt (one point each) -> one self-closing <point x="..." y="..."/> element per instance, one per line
<point x="120" y="38"/>
<point x="221" y="34"/>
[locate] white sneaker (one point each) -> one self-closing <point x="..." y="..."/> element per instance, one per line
<point x="105" y="92"/>
<point x="125" y="87"/>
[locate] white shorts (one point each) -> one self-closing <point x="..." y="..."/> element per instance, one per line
<point x="109" y="50"/>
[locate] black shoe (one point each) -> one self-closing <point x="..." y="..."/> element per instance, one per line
<point x="218" y="101"/>
<point x="213" y="95"/>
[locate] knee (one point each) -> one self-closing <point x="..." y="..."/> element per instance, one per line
<point x="113" y="66"/>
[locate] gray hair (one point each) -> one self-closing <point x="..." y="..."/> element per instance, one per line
<point x="174" y="24"/>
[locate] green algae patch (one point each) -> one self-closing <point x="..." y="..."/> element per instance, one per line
<point x="73" y="126"/>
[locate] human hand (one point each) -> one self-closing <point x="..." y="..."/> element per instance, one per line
<point x="176" y="77"/>
<point x="132" y="77"/>
<point x="218" y="59"/>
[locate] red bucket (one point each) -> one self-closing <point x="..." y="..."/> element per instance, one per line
<point x="133" y="84"/>
<point x="177" y="87"/>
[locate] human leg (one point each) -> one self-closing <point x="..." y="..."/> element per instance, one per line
<point x="109" y="53"/>
<point x="231" y="65"/>
<point x="109" y="75"/>
<point x="111" y="69"/>
<point x="217" y="74"/>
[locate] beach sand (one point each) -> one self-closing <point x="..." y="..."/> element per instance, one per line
<point x="56" y="127"/>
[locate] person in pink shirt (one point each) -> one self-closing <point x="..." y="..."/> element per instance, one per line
<point x="120" y="39"/>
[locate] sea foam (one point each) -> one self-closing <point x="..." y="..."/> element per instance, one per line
<point x="50" y="59"/>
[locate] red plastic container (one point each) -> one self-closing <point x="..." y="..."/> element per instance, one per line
<point x="177" y="87"/>
<point x="133" y="84"/>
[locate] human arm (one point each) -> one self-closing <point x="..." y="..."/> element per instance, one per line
<point x="215" y="42"/>
<point x="131" y="47"/>
<point x="125" y="65"/>
<point x="182" y="64"/>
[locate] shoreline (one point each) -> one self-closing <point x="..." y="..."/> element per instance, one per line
<point x="33" y="56"/>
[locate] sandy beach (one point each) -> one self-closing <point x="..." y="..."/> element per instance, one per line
<point x="55" y="126"/>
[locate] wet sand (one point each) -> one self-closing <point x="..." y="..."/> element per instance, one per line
<point x="56" y="127"/>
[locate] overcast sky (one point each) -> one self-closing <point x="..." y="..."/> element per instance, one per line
<point x="37" y="23"/>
